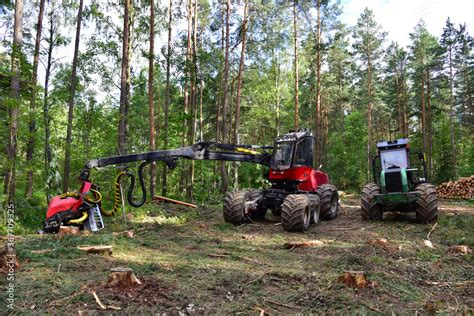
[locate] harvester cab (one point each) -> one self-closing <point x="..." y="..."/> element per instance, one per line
<point x="400" y="184"/>
<point x="397" y="174"/>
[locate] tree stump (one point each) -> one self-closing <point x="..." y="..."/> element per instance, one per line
<point x="68" y="230"/>
<point x="8" y="262"/>
<point x="123" y="278"/>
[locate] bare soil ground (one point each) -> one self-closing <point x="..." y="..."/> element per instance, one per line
<point x="192" y="262"/>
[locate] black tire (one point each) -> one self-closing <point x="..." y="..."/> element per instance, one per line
<point x="261" y="212"/>
<point x="296" y="213"/>
<point x="234" y="207"/>
<point x="329" y="201"/>
<point x="315" y="209"/>
<point x="370" y="210"/>
<point x="426" y="204"/>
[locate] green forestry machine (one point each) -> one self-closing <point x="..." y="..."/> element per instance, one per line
<point x="399" y="185"/>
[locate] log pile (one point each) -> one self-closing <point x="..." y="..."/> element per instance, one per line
<point x="463" y="188"/>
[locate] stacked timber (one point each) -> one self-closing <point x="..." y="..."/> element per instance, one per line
<point x="462" y="188"/>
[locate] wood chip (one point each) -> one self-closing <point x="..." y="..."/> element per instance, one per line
<point x="428" y="243"/>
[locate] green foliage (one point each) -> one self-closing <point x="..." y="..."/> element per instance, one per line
<point x="267" y="104"/>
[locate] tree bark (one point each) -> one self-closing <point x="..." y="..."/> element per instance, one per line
<point x="124" y="82"/>
<point x="318" y="85"/>
<point x="225" y="107"/>
<point x="15" y="93"/>
<point x="451" y="112"/>
<point x="151" y="104"/>
<point x="46" y="119"/>
<point x="167" y="96"/>
<point x="32" y="124"/>
<point x="241" y="73"/>
<point x="369" y="112"/>
<point x="295" y="33"/>
<point x="72" y="92"/>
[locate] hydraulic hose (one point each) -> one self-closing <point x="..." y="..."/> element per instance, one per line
<point x="117" y="195"/>
<point x="142" y="185"/>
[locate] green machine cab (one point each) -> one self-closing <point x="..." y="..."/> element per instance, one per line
<point x="399" y="185"/>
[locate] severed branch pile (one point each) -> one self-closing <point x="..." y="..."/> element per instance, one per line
<point x="463" y="188"/>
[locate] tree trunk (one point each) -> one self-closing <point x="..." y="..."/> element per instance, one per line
<point x="72" y="92"/>
<point x="124" y="82"/>
<point x="32" y="124"/>
<point x="423" y="113"/>
<point x="318" y="148"/>
<point x="151" y="104"/>
<point x="14" y="110"/>
<point x="399" y="103"/>
<point x="369" y="114"/>
<point x="429" y="123"/>
<point x="296" y="124"/>
<point x="451" y="112"/>
<point x="241" y="73"/>
<point x="167" y="96"/>
<point x="46" y="119"/>
<point x="239" y="86"/>
<point x="225" y="107"/>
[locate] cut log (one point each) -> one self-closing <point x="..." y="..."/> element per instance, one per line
<point x="96" y="249"/>
<point x="461" y="249"/>
<point x="355" y="279"/>
<point x="123" y="278"/>
<point x="463" y="188"/>
<point x="68" y="230"/>
<point x="307" y="243"/>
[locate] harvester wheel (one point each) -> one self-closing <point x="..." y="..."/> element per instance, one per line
<point x="260" y="213"/>
<point x="315" y="204"/>
<point x="234" y="207"/>
<point x="426" y="204"/>
<point x="296" y="213"/>
<point x="369" y="208"/>
<point x="329" y="201"/>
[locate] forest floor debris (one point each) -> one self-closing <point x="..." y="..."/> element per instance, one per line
<point x="188" y="263"/>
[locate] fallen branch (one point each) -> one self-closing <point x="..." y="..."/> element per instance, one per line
<point x="431" y="230"/>
<point x="281" y="304"/>
<point x="217" y="255"/>
<point x="165" y="199"/>
<point x="256" y="279"/>
<point x="260" y="310"/>
<point x="97" y="300"/>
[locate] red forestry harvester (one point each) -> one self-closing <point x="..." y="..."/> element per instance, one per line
<point x="300" y="194"/>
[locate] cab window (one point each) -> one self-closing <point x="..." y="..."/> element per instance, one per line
<point x="304" y="152"/>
